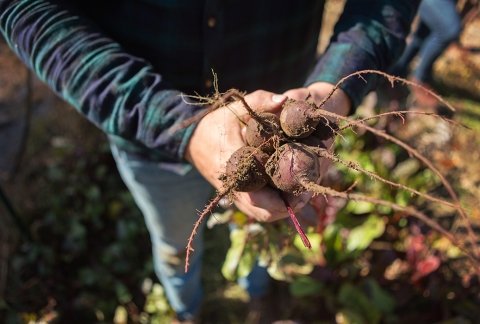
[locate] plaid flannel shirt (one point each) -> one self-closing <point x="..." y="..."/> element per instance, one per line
<point x="124" y="63"/>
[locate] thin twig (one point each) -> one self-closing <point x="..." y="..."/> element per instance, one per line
<point x="355" y="166"/>
<point x="207" y="210"/>
<point x="392" y="79"/>
<point x="400" y="113"/>
<point x="321" y="190"/>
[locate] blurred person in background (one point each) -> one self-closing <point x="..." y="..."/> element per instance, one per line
<point x="439" y="25"/>
<point x="125" y="65"/>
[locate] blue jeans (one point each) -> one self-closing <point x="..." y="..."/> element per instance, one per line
<point x="169" y="203"/>
<point x="439" y="25"/>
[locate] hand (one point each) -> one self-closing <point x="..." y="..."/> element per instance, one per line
<point x="218" y="135"/>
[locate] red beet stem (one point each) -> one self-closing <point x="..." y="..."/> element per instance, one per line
<point x="294" y="219"/>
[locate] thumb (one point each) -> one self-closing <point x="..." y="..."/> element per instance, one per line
<point x="297" y="94"/>
<point x="265" y="101"/>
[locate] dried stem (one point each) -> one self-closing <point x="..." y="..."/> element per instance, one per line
<point x="207" y="210"/>
<point x="355" y="166"/>
<point x="392" y="79"/>
<point x="399" y="113"/>
<point x="321" y="190"/>
<point x="218" y="101"/>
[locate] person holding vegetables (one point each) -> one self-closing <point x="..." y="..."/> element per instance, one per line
<point x="125" y="65"/>
<point x="439" y="26"/>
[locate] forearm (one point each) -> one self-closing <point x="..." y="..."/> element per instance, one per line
<point x="369" y="35"/>
<point x="118" y="92"/>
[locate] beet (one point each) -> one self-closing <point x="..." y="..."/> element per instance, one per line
<point x="260" y="134"/>
<point x="296" y="118"/>
<point x="245" y="168"/>
<point x="324" y="131"/>
<point x="292" y="165"/>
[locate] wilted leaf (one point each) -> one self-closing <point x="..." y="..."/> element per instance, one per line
<point x="424" y="267"/>
<point x="396" y="269"/>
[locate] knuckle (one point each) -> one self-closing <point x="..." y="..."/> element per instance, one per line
<point x="260" y="93"/>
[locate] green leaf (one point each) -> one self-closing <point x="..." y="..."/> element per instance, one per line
<point x="238" y="238"/>
<point x="156" y="302"/>
<point x="406" y="169"/>
<point x="360" y="207"/>
<point x="334" y="251"/>
<point x="315" y="240"/>
<point x="305" y="286"/>
<point x="246" y="263"/>
<point x="290" y="264"/>
<point x="123" y="294"/>
<point x="444" y="245"/>
<point x="275" y="271"/>
<point x="403" y="198"/>
<point x="361" y="236"/>
<point x="380" y="297"/>
<point x="354" y="299"/>
<point x="264" y="258"/>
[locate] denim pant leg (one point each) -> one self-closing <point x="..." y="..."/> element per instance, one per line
<point x="257" y="283"/>
<point x="169" y="203"/>
<point x="401" y="67"/>
<point x="444" y="23"/>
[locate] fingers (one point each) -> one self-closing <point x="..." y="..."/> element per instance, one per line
<point x="259" y="101"/>
<point x="264" y="205"/>
<point x="266" y="101"/>
<point x="297" y="94"/>
<point x="263" y="101"/>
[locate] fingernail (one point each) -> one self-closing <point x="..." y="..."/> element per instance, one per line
<point x="278" y="98"/>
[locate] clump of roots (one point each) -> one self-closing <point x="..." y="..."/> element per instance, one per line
<point x="284" y="153"/>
